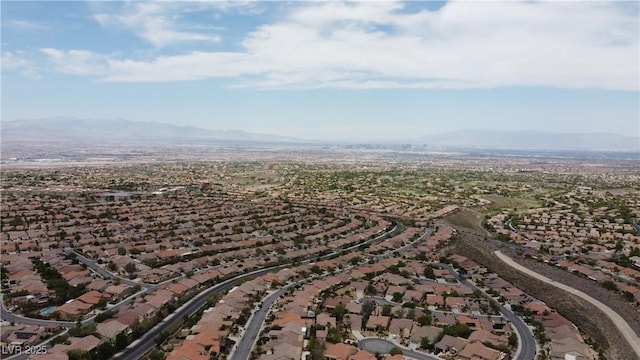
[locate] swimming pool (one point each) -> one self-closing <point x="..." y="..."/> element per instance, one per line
<point x="47" y="310"/>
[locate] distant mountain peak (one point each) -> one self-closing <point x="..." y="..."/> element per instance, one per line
<point x="121" y="131"/>
<point x="73" y="130"/>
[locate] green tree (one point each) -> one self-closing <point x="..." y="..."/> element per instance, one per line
<point x="425" y="319"/>
<point x="275" y="284"/>
<point x="368" y="307"/>
<point x="83" y="331"/>
<point x="395" y="351"/>
<point x="610" y="285"/>
<point x="130" y="268"/>
<point x="513" y="339"/>
<point x="339" y="311"/>
<point x="458" y="330"/>
<point x="629" y="296"/>
<point x="112" y="266"/>
<point x="317" y="350"/>
<point x="102" y="303"/>
<point x="121" y="342"/>
<point x="104" y="316"/>
<point x="334" y="335"/>
<point x="429" y="273"/>
<point x="425" y="343"/>
<point x="59" y="339"/>
<point x="78" y="354"/>
<point x="156" y="355"/>
<point x="370" y="290"/>
<point x="104" y="351"/>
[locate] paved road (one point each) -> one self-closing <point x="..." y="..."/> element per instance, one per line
<point x="624" y="328"/>
<point x="389" y="253"/>
<point x="144" y="344"/>
<point x="8" y="316"/>
<point x="382" y="346"/>
<point x="104" y="273"/>
<point x="5" y="315"/>
<point x="635" y="226"/>
<point x="254" y="326"/>
<point x="146" y="288"/>
<point x="250" y="336"/>
<point x="526" y="341"/>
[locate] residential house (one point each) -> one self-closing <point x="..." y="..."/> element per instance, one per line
<point x="451" y="344"/>
<point x="477" y="351"/>
<point x="376" y="323"/>
<point x="110" y="329"/>
<point x="340" y="351"/>
<point x="401" y="327"/>
<point x="430" y="332"/>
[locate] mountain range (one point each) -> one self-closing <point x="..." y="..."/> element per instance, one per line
<point x="120" y="132"/>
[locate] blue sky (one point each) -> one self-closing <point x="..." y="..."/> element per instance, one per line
<point x="328" y="69"/>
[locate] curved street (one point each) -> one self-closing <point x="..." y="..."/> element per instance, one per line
<point x="630" y="336"/>
<point x="6" y="315"/>
<point x="250" y="336"/>
<point x="243" y="348"/>
<point x="526" y="341"/>
<point x="382" y="346"/>
<point x="146" y="288"/>
<point x="104" y="273"/>
<point x="146" y="343"/>
<point x="388" y="253"/>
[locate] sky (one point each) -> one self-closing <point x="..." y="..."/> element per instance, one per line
<point x="327" y="69"/>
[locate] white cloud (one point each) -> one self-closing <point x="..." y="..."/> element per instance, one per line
<point x="17" y="61"/>
<point x="158" y="22"/>
<point x="13" y="61"/>
<point x="381" y="45"/>
<point x="24" y="25"/>
<point x="354" y="12"/>
<point x="78" y="62"/>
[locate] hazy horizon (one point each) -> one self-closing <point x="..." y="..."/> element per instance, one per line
<point x="346" y="139"/>
<point x="318" y="70"/>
